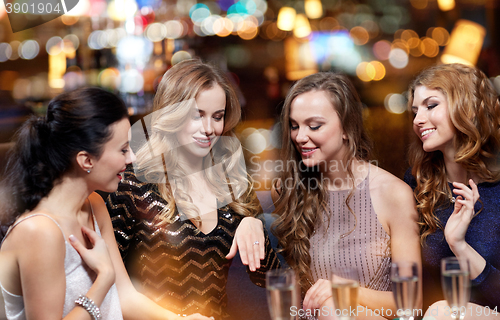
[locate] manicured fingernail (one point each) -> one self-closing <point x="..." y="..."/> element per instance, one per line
<point x="72" y="238"/>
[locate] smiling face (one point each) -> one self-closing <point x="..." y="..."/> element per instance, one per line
<point x="316" y="129"/>
<point x="432" y="123"/>
<point x="116" y="154"/>
<point x="204" y="125"/>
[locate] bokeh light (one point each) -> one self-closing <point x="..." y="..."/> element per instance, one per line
<point x="381" y="49"/>
<point x="398" y="58"/>
<point x="395" y="103"/>
<point x="29" y="49"/>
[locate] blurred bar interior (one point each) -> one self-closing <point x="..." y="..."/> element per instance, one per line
<point x="126" y="45"/>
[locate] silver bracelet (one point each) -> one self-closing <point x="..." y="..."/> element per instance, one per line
<point x="89" y="305"/>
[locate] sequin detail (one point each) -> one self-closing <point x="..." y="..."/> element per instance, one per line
<point x="345" y="241"/>
<point x="176" y="266"/>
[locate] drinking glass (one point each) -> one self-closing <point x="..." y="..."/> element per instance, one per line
<point x="404" y="277"/>
<point x="281" y="293"/>
<point x="345" y="286"/>
<point x="455" y="279"/>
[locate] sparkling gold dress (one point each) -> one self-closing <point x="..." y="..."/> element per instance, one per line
<point x="177" y="266"/>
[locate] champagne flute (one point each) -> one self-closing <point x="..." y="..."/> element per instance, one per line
<point x="281" y="293"/>
<point x="404" y="277"/>
<point x="455" y="279"/>
<point x="345" y="286"/>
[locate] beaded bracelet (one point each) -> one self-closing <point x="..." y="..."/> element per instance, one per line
<point x="89" y="305"/>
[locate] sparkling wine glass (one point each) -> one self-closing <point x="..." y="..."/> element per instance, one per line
<point x="455" y="279"/>
<point x="281" y="293"/>
<point x="404" y="277"/>
<point x="345" y="287"/>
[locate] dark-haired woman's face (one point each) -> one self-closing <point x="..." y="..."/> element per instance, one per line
<point x="432" y="123"/>
<point x="108" y="170"/>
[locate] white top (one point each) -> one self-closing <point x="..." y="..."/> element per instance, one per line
<point x="79" y="279"/>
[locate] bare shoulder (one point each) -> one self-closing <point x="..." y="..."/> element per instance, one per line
<point x="387" y="186"/>
<point x="36" y="233"/>
<point x="392" y="198"/>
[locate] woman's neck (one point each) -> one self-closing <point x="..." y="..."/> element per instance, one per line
<point x="337" y="175"/>
<point x="66" y="198"/>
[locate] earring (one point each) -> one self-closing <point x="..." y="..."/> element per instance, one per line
<point x="88" y="171"/>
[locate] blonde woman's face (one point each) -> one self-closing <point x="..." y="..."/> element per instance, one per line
<point x="432" y="123"/>
<point x="205" y="123"/>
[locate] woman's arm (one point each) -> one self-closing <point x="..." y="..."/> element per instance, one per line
<point x="395" y="207"/>
<point x="40" y="249"/>
<point x="134" y="304"/>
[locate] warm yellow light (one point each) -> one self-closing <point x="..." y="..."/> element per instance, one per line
<point x="286" y="18"/>
<point x="313" y="8"/>
<point x="359" y="35"/>
<point x="466" y="41"/>
<point x="299" y="61"/>
<point x="361" y="71"/>
<point x="302" y="27"/>
<point x="379" y="69"/>
<point x="446" y="5"/>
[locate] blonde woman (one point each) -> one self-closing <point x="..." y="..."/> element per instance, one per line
<point x="176" y="216"/>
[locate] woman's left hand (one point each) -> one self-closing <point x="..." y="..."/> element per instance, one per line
<point x="459" y="221"/>
<point x="250" y="241"/>
<point x="319" y="295"/>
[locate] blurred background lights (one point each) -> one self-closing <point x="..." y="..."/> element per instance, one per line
<point x="198" y="13"/>
<point x="16" y="46"/>
<point x="313" y="9"/>
<point x="440" y="35"/>
<point x="5" y="51"/>
<point x="302" y="28"/>
<point x="180" y="56"/>
<point x="256" y="142"/>
<point x="398" y="58"/>
<point x="131" y="81"/>
<point x="29" y="49"/>
<point x="286" y="18"/>
<point x="381" y="49"/>
<point x="466" y="41"/>
<point x="446" y="5"/>
<point x="175" y="29"/>
<point x="395" y="103"/>
<point x="56" y="43"/>
<point x="156" y="32"/>
<point x="359" y="35"/>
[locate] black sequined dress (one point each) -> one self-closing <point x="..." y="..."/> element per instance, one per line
<point x="177" y="266"/>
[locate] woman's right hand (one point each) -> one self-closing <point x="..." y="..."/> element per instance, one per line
<point x="97" y="258"/>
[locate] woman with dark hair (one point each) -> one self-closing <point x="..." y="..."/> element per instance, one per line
<point x="336" y="209"/>
<point x="59" y="258"/>
<point x="454" y="160"/>
<point x="176" y="213"/>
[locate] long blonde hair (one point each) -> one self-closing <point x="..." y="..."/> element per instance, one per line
<point x="301" y="201"/>
<point x="176" y="92"/>
<point x="474" y="110"/>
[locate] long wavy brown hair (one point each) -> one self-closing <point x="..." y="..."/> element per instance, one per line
<point x="303" y="193"/>
<point x="474" y="110"/>
<point x="172" y="106"/>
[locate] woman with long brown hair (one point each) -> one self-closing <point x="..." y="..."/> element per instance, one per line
<point x="336" y="209"/>
<point x="454" y="161"/>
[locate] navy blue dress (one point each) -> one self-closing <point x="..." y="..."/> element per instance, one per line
<point x="483" y="235"/>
